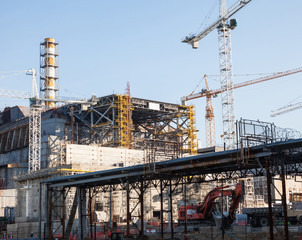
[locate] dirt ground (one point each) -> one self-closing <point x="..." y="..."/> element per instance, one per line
<point x="237" y="233"/>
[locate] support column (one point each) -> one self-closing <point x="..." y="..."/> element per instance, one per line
<point x="90" y="213"/>
<point x="72" y="214"/>
<point x="40" y="212"/>
<point x="284" y="201"/>
<point x="222" y="215"/>
<point x="269" y="198"/>
<point x="82" y="213"/>
<point x="161" y="210"/>
<point x="48" y="215"/>
<point x="185" y="193"/>
<point x="128" y="209"/>
<point x="63" y="210"/>
<point x="110" y="207"/>
<point x="171" y="208"/>
<point x="142" y="207"/>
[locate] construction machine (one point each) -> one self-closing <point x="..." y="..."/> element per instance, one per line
<point x="195" y="214"/>
<point x="258" y="217"/>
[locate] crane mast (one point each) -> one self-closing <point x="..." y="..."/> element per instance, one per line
<point x="209" y="118"/>
<point x="34" y="126"/>
<point x="224" y="27"/>
<point x="226" y="80"/>
<point x="34" y="146"/>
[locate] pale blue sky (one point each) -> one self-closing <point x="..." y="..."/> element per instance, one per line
<point x="105" y="44"/>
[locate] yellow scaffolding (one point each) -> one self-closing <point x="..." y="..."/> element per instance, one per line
<point x="192" y="132"/>
<point x="124" y="120"/>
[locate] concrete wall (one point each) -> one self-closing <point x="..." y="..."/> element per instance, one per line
<point x="7" y="199"/>
<point x="80" y="157"/>
<point x="53" y="126"/>
<point x="93" y="157"/>
<point x="27" y="204"/>
<point x="24" y="230"/>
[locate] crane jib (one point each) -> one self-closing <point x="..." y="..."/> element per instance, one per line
<point x="230" y="12"/>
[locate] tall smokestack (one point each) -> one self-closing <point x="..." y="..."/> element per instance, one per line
<point x="49" y="70"/>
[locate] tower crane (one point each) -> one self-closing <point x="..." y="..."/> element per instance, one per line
<point x="224" y="27"/>
<point x="209" y="116"/>
<point x="286" y="108"/>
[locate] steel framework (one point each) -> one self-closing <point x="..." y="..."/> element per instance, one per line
<point x="282" y="158"/>
<point x="227" y="82"/>
<point x="34" y="152"/>
<point x="225" y="63"/>
<point x="121" y="121"/>
<point x="192" y="137"/>
<point x="124" y="120"/>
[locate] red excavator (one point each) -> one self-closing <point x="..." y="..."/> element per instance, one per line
<point x="204" y="212"/>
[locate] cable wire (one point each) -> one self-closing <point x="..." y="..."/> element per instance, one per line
<point x="10" y="76"/>
<point x="207" y="17"/>
<point x="197" y="86"/>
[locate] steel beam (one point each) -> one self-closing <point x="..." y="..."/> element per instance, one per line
<point x="141" y="198"/>
<point x="269" y="197"/>
<point x="128" y="209"/>
<point x="284" y="203"/>
<point x="72" y="215"/>
<point x="171" y="208"/>
<point x="161" y="210"/>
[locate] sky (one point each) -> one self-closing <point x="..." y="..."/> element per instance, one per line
<point x="105" y="44"/>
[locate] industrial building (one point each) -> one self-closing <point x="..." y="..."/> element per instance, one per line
<point x="44" y="142"/>
<point x="98" y="137"/>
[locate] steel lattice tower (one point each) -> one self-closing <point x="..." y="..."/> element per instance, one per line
<point x="226" y="80"/>
<point x="34" y="153"/>
<point x="210" y="124"/>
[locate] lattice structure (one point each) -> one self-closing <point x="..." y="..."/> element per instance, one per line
<point x="34" y="154"/>
<point x="124" y="120"/>
<point x="168" y="128"/>
<point x="249" y="197"/>
<point x="226" y="82"/>
<point x="192" y="136"/>
<point x="210" y="124"/>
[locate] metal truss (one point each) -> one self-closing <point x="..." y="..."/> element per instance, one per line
<point x="227" y="82"/>
<point x="278" y="159"/>
<point x="108" y="123"/>
<point x="34" y="153"/>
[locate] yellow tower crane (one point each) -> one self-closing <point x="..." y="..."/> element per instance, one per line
<point x="209" y="115"/>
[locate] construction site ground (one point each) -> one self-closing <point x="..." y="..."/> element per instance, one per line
<point x="237" y="233"/>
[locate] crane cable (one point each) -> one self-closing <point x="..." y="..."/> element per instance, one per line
<point x="10" y="76"/>
<point x="207" y="17"/>
<point x="14" y="74"/>
<point x="17" y="71"/>
<point x="196" y="87"/>
<point x="292" y="101"/>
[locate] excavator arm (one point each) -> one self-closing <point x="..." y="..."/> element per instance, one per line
<point x="206" y="208"/>
<point x="236" y="196"/>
